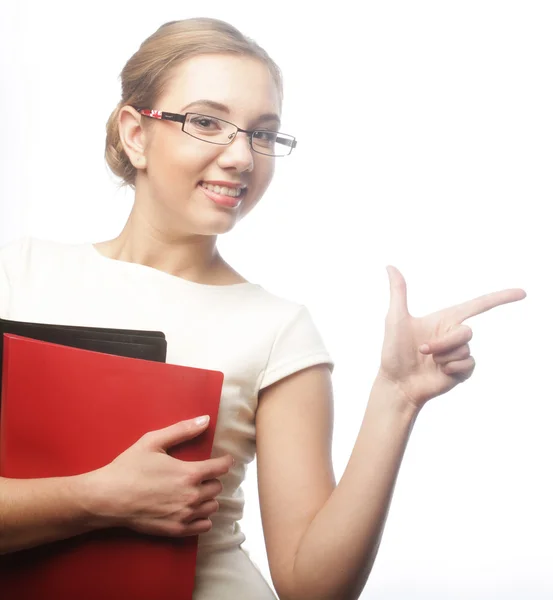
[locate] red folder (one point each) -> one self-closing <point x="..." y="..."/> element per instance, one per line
<point x="67" y="411"/>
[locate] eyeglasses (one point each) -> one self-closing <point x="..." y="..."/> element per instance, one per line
<point x="220" y="132"/>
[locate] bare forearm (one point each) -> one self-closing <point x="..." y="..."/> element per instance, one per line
<point x="337" y="552"/>
<point x="38" y="511"/>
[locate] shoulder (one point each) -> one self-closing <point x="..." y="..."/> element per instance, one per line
<point x="289" y="315"/>
<point x="294" y="341"/>
<point x="14" y="249"/>
<point x="282" y="309"/>
<point x="13" y="255"/>
<point x="27" y="247"/>
<point x="27" y="255"/>
<point x="285" y="319"/>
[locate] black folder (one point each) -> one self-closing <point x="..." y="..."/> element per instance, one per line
<point x="147" y="345"/>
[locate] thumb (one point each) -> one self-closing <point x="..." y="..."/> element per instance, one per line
<point x="175" y="434"/>
<point x="398" y="292"/>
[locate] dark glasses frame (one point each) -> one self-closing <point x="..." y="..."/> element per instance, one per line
<point x="161" y="115"/>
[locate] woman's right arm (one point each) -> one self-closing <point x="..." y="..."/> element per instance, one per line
<point x="37" y="511"/>
<point x="143" y="489"/>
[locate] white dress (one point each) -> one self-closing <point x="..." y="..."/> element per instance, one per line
<point x="253" y="336"/>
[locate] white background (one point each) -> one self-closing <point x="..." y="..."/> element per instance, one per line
<point x="425" y="141"/>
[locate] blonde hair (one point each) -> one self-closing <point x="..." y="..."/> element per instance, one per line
<point x="148" y="72"/>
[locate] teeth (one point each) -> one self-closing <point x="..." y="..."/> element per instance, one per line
<point x="224" y="191"/>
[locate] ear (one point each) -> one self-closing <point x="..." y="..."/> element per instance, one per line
<point x="132" y="135"/>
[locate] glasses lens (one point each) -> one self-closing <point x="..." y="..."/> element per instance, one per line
<point x="272" y="143"/>
<point x="209" y="129"/>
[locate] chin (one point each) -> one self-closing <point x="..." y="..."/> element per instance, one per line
<point x="222" y="229"/>
<point x="213" y="226"/>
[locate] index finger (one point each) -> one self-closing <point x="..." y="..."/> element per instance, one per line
<point x="479" y="305"/>
<point x="213" y="467"/>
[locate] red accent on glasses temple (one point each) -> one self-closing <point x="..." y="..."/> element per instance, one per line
<point x="156" y="114"/>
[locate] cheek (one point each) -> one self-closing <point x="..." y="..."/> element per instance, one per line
<point x="179" y="165"/>
<point x="264" y="172"/>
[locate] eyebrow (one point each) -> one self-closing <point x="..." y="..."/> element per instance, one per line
<point x="223" y="108"/>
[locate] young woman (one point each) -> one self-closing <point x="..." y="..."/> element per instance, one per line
<point x="197" y="135"/>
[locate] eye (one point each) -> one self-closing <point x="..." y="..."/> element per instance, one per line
<point x="265" y="137"/>
<point x="205" y="123"/>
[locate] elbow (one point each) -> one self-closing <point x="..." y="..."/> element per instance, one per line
<point x="321" y="589"/>
<point x="318" y="596"/>
<point x="320" y="592"/>
<point x="324" y="583"/>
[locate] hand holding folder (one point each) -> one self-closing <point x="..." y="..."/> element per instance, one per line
<point x="67" y="411"/>
<point x="169" y="497"/>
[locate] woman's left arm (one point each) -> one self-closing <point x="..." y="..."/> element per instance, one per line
<point x="322" y="538"/>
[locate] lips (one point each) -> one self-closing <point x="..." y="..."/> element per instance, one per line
<point x="221" y="199"/>
<point x="233" y="191"/>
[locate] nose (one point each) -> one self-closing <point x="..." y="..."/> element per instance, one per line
<point x="238" y="154"/>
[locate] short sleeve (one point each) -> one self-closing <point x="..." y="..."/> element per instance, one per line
<point x="297" y="345"/>
<point x="4" y="292"/>
<point x="4" y="285"/>
<point x="10" y="263"/>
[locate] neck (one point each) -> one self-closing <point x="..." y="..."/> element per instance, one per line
<point x="192" y="257"/>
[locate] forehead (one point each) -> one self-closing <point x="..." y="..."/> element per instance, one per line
<point x="242" y="83"/>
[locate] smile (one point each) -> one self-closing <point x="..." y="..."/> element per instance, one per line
<point x="224" y="200"/>
<point x="224" y="191"/>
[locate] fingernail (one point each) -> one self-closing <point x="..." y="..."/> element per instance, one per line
<point x="202" y="420"/>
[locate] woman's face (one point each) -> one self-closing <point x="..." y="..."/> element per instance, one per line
<point x="175" y="167"/>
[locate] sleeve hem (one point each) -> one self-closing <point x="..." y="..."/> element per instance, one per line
<point x="293" y="366"/>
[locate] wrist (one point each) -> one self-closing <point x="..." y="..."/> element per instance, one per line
<point x="394" y="396"/>
<point x="87" y="493"/>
